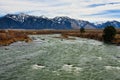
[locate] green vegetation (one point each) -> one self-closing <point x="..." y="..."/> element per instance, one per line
<point x="82" y="29"/>
<point x="108" y="34"/>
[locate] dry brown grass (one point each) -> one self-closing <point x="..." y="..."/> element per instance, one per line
<point x="89" y="33"/>
<point x="10" y="36"/>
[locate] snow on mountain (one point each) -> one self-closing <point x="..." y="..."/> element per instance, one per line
<point x="24" y="21"/>
<point x="100" y="22"/>
<point x="116" y="24"/>
<point x="20" y="17"/>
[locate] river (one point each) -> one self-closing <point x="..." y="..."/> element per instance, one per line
<point x="50" y="58"/>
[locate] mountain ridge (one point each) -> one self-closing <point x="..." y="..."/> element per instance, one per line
<point x="24" y="21"/>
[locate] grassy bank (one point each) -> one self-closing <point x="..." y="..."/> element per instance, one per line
<point x="21" y="35"/>
<point x="9" y="36"/>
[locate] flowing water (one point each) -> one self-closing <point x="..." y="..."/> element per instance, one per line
<point x="50" y="58"/>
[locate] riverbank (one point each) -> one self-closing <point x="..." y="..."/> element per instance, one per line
<point x="9" y="36"/>
<point x="94" y="35"/>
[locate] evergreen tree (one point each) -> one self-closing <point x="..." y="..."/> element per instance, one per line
<point x="109" y="34"/>
<point x="82" y="30"/>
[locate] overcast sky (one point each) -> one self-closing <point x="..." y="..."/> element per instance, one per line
<point x="91" y="10"/>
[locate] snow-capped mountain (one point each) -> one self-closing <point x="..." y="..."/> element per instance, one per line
<point x="116" y="24"/>
<point x="24" y="21"/>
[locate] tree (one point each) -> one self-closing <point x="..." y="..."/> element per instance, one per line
<point x="82" y="30"/>
<point x="108" y="34"/>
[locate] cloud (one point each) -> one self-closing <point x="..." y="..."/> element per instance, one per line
<point x="80" y="9"/>
<point x="97" y="5"/>
<point x="108" y="13"/>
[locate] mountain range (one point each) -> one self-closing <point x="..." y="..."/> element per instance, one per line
<point x="24" y="21"/>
